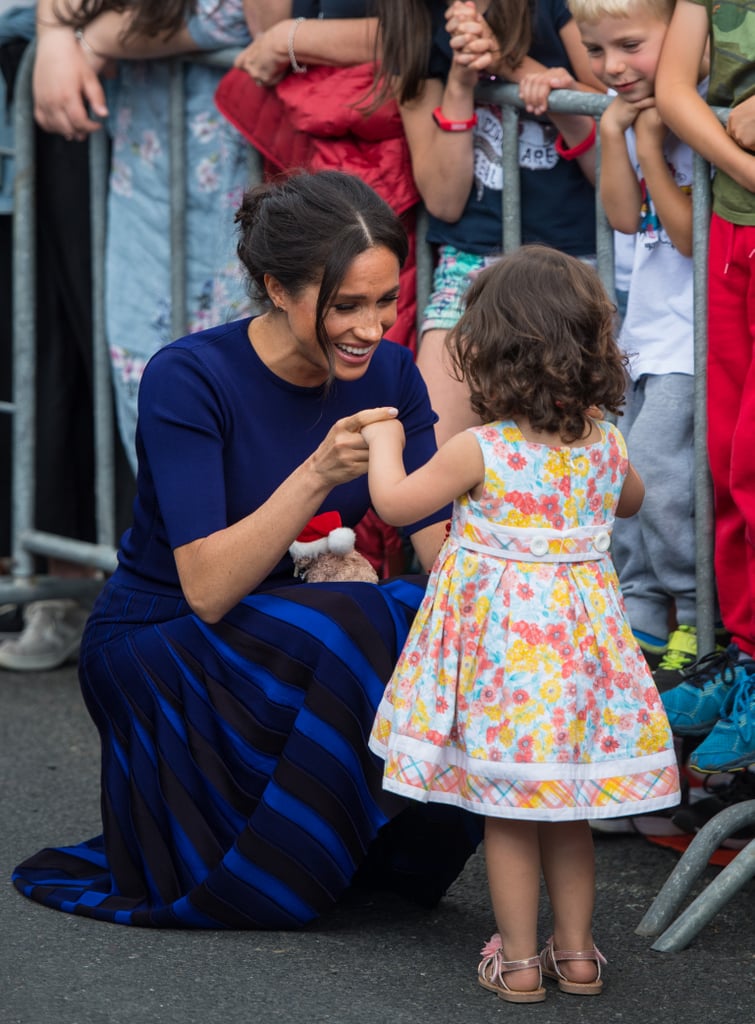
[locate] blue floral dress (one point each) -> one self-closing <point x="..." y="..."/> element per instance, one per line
<point x="138" y="259"/>
<point x="520" y="691"/>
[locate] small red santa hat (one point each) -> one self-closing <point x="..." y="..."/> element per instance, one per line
<point x="322" y="534"/>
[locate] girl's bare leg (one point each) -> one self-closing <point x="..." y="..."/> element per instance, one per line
<point x="512" y="856"/>
<point x="449" y="397"/>
<point x="568" y="861"/>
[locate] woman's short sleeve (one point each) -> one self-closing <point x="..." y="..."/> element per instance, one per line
<point x="181" y="427"/>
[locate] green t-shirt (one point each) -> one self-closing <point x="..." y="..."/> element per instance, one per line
<point x="732" y="79"/>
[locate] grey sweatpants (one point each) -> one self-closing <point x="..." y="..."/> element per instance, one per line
<point x="654" y="551"/>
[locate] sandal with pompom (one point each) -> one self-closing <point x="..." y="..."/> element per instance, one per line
<point x="492" y="968"/>
<point x="550" y="959"/>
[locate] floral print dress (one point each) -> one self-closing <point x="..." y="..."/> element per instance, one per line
<point x="520" y="691"/>
<point x="138" y="244"/>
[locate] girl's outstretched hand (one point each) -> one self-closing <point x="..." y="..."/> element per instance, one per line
<point x="393" y="429"/>
<point x="343" y="453"/>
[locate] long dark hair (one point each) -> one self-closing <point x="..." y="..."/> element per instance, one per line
<point x="405" y="40"/>
<point x="149" y="18"/>
<point x="309" y="228"/>
<point x="537" y="339"/>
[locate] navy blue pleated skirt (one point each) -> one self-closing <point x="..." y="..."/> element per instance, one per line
<point x="238" y="790"/>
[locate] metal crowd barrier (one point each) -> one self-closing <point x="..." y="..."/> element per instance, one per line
<point x="27" y="542"/>
<point x="673" y="935"/>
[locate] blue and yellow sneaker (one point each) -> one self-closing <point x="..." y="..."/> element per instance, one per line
<point x="694" y="706"/>
<point x="730" y="747"/>
<point x="679" y="656"/>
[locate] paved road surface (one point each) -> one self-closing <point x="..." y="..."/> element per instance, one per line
<point x="372" y="961"/>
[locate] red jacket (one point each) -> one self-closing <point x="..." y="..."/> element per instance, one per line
<point x="316" y="121"/>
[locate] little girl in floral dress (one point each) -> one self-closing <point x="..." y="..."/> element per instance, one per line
<point x="521" y="693"/>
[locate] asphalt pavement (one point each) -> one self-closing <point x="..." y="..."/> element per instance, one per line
<point x="373" y="960"/>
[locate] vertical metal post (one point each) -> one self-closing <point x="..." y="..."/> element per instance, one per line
<point x="705" y="583"/>
<point x="104" y="430"/>
<point x="511" y="204"/>
<point x="604" y="240"/>
<point x="424" y="266"/>
<point x="24" y="287"/>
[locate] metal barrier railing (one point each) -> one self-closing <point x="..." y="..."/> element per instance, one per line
<point x="28" y="542"/>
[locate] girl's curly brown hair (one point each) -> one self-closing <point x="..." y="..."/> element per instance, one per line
<point x="536" y="339"/>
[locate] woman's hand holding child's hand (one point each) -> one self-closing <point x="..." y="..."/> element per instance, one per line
<point x="343" y="453"/>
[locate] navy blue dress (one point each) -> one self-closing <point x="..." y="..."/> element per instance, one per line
<point x="238" y="790"/>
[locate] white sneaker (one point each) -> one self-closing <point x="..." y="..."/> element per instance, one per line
<point x="51" y="635"/>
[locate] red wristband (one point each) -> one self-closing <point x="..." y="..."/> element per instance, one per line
<point x="453" y="126"/>
<point x="582" y="147"/>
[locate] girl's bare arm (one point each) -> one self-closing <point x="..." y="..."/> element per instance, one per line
<point x="399" y="499"/>
<point x="632" y="494"/>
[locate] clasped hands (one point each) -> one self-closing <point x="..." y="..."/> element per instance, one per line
<point x="472" y="40"/>
<point x="343" y="454"/>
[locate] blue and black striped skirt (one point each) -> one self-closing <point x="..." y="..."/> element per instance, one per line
<point x="238" y="789"/>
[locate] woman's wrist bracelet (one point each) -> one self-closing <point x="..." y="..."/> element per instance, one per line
<point x="447" y="125"/>
<point x="296" y="67"/>
<point x="582" y="147"/>
<point x="87" y="47"/>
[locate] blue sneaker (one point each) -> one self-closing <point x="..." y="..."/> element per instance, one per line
<point x="694" y="706"/>
<point x="731" y="743"/>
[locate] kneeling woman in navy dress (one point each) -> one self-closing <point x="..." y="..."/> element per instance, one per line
<point x="233" y="700"/>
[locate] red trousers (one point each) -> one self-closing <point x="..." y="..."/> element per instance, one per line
<point x="731" y="422"/>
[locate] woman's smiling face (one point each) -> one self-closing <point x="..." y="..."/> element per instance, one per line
<point x="361" y="311"/>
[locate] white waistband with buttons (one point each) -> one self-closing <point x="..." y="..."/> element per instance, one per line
<point x="540" y="544"/>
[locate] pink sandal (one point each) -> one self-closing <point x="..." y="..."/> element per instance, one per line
<point x="549" y="961"/>
<point x="492" y="968"/>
